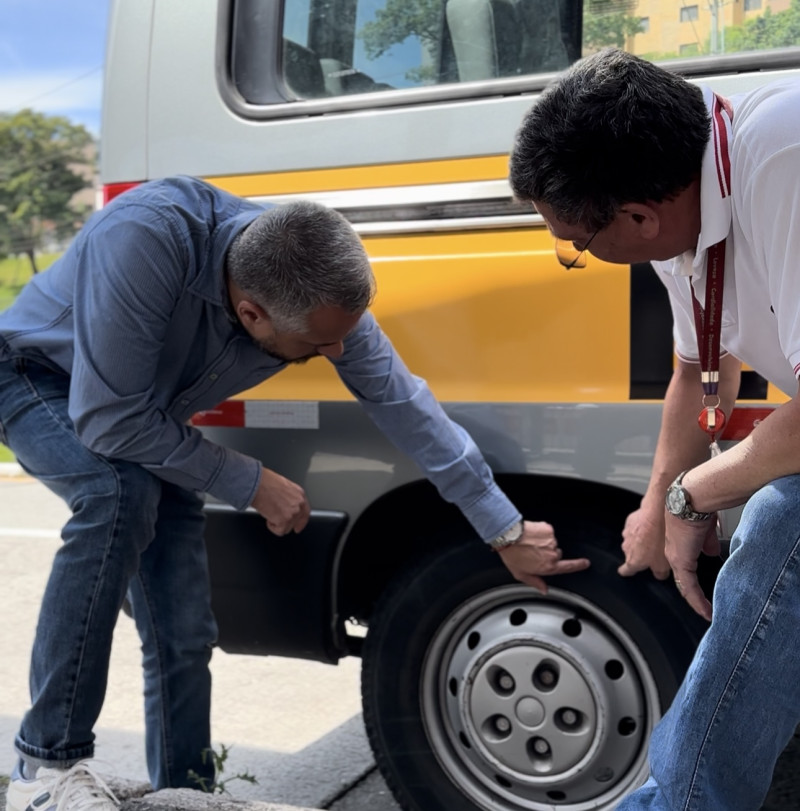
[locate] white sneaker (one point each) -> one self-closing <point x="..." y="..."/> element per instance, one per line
<point x="78" y="788"/>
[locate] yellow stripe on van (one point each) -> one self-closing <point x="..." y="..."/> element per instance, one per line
<point x="366" y="177"/>
<point x="491" y="317"/>
<point x="482" y="315"/>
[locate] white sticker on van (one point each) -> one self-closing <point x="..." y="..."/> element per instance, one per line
<point x="281" y="414"/>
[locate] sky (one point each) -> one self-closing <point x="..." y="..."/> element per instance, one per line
<point x="51" y="58"/>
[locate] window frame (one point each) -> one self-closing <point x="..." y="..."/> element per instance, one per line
<point x="284" y="105"/>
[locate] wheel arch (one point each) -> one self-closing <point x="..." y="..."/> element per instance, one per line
<point x="413" y="520"/>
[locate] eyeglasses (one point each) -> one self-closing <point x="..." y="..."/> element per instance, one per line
<point x="569" y="257"/>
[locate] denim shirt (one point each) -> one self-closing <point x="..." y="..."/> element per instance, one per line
<point x="137" y="313"/>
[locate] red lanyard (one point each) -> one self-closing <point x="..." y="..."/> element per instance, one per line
<point x="708" y="322"/>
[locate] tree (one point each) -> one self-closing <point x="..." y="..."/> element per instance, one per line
<point x="398" y="20"/>
<point x="609" y="29"/>
<point x="767" y="31"/>
<point x="40" y="161"/>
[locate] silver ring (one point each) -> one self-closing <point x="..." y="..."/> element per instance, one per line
<point x="679" y="585"/>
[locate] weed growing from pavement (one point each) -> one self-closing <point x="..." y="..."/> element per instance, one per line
<point x="219" y="786"/>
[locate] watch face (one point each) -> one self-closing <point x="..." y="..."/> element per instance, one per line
<point x="676" y="499"/>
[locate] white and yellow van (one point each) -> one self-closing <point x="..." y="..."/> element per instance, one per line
<point x="479" y="693"/>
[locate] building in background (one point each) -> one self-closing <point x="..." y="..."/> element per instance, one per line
<point x="685" y="28"/>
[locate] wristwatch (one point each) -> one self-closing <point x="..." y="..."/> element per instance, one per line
<point x="509" y="537"/>
<point x="679" y="503"/>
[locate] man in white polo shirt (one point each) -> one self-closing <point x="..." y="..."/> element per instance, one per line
<point x="637" y="164"/>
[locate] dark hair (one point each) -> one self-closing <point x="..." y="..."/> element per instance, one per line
<point x="611" y="130"/>
<point x="299" y="256"/>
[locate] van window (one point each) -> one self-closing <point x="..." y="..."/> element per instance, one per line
<point x="333" y="48"/>
<point x="340" y="47"/>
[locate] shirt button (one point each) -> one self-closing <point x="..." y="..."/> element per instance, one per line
<point x="213" y="376"/>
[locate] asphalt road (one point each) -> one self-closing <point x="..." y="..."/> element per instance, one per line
<point x="295" y="725"/>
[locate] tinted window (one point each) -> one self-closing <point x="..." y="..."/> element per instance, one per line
<point x="329" y="48"/>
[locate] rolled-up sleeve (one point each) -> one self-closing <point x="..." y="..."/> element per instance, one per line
<point x="405" y="410"/>
<point x="121" y="320"/>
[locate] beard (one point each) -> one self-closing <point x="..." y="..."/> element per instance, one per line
<point x="268" y="348"/>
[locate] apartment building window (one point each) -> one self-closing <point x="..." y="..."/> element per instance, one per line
<point x="689" y="50"/>
<point x="644" y="25"/>
<point x="752" y="5"/>
<point x="688" y="13"/>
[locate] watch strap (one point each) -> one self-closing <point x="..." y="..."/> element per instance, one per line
<point x="688" y="513"/>
<point x="509" y="537"/>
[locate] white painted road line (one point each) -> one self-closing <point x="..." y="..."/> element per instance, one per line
<point x="28" y="532"/>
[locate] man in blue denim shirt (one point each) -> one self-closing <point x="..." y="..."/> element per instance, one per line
<point x="171" y="299"/>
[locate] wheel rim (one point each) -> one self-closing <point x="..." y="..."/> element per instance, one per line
<point x="534" y="701"/>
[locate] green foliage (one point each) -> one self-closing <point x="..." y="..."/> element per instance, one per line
<point x="218" y="759"/>
<point x="39" y="161"/>
<point x="767" y="31"/>
<point x="659" y="56"/>
<point x="609" y="30"/>
<point x="400" y="19"/>
<point x="15" y="272"/>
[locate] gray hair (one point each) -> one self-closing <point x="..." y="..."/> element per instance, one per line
<point x="297" y="257"/>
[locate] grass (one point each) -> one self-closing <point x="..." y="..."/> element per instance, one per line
<point x="15" y="273"/>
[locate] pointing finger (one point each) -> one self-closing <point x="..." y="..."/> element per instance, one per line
<point x="568" y="566"/>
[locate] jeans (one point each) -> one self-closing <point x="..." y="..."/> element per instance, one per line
<point x="739" y="703"/>
<point x="129" y="533"/>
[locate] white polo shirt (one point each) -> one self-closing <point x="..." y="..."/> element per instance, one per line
<point x="761" y="220"/>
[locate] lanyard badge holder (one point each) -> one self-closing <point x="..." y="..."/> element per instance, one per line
<point x="708" y="325"/>
<point x="708" y="321"/>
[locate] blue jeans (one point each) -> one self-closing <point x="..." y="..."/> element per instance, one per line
<point x="739" y="703"/>
<point x="129" y="533"/>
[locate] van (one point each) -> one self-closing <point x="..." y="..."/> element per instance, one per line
<point x="478" y="692"/>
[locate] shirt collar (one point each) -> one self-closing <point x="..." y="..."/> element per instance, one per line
<point x="715" y="199"/>
<point x="211" y="282"/>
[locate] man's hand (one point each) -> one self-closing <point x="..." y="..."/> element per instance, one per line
<point x="685" y="541"/>
<point x="537" y="553"/>
<point x="282" y="502"/>
<point x="643" y="543"/>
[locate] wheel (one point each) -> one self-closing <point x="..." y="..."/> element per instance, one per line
<point x="481" y="693"/>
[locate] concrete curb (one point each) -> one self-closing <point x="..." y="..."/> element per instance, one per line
<point x="140" y="797"/>
<point x="184" y="799"/>
<point x="10" y="470"/>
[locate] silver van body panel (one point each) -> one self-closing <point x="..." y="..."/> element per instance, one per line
<point x="167" y="108"/>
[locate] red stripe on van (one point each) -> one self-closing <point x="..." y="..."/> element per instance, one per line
<point x="229" y="414"/>
<point x="112" y="190"/>
<point x="743" y="420"/>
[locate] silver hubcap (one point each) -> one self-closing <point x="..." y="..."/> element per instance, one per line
<point x="538" y="701"/>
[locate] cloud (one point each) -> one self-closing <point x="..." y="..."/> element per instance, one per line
<point x="54" y="92"/>
<point x="76" y="94"/>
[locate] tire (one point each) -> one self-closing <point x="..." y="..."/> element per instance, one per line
<point x="481" y="693"/>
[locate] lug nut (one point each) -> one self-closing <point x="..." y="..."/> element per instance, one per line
<point x="541" y="747"/>
<point x="569" y="717"/>
<point x="506" y="682"/>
